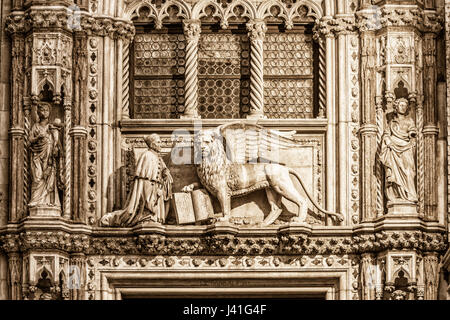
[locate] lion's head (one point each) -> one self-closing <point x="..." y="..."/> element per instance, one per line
<point x="208" y="148"/>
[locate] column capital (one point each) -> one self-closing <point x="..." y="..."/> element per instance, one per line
<point x="192" y="29"/>
<point x="256" y="28"/>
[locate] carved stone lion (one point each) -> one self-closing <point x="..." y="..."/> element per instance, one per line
<point x="236" y="160"/>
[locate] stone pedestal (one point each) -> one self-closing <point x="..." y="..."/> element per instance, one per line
<point x="45" y="211"/>
<point x="402" y="207"/>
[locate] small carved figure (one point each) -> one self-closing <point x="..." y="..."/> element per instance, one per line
<point x="45" y="156"/>
<point x="234" y="172"/>
<point x="397" y="154"/>
<point x="152" y="190"/>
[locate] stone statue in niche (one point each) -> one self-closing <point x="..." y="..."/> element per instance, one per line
<point x="45" y="160"/>
<point x="398" y="155"/>
<point x="238" y="158"/>
<point x="152" y="190"/>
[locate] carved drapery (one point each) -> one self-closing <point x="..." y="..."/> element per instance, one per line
<point x="399" y="74"/>
<point x="49" y="77"/>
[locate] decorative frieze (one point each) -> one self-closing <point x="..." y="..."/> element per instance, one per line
<point x="223" y="243"/>
<point x="60" y="19"/>
<point x="402" y="16"/>
<point x="92" y="129"/>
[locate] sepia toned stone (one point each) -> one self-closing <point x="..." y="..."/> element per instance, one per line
<point x="297" y="149"/>
<point x="184" y="209"/>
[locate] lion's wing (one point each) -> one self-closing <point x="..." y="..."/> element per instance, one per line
<point x="247" y="142"/>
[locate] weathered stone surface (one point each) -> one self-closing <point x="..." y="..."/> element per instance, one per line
<point x="303" y="189"/>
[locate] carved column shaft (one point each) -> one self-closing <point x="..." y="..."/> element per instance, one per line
<point x="17" y="132"/>
<point x="430" y="129"/>
<point x="322" y="90"/>
<point x="78" y="132"/>
<point x="256" y="31"/>
<point x="67" y="157"/>
<point x="368" y="127"/>
<point x="431" y="275"/>
<point x="125" y="79"/>
<point x="368" y="277"/>
<point x="15" y="275"/>
<point x="192" y="29"/>
<point x="420" y="155"/>
<point x="378" y="165"/>
<point x="77" y="278"/>
<point x="26" y="145"/>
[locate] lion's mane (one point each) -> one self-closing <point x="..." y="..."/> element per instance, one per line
<point x="213" y="168"/>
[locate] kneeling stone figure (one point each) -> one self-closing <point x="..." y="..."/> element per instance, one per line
<point x="152" y="190"/>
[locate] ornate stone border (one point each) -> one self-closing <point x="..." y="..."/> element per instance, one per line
<point x="229" y="241"/>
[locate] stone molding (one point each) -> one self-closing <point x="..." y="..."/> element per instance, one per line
<point x="34" y="18"/>
<point x="228" y="241"/>
<point x="405" y="16"/>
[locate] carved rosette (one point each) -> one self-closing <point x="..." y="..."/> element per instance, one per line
<point x="256" y="31"/>
<point x="354" y="112"/>
<point x="192" y="29"/>
<point x="92" y="112"/>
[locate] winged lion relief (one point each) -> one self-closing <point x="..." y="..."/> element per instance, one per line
<point x="232" y="160"/>
<point x="238" y="158"/>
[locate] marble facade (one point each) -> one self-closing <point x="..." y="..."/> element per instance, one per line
<point x="354" y="91"/>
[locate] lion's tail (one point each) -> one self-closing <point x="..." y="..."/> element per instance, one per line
<point x="311" y="198"/>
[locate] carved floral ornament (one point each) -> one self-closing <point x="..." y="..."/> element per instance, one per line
<point x="22" y="22"/>
<point x="223" y="243"/>
<point x="288" y="12"/>
<point x="426" y="21"/>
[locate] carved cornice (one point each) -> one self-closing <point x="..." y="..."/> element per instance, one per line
<point x="256" y="30"/>
<point x="222" y="243"/>
<point x="22" y="22"/>
<point x="192" y="29"/>
<point x="423" y="20"/>
<point x="328" y="26"/>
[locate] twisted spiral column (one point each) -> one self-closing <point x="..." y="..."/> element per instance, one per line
<point x="256" y="31"/>
<point x="67" y="158"/>
<point x="420" y="155"/>
<point x="322" y="83"/>
<point x="192" y="29"/>
<point x="126" y="79"/>
<point x="26" y="145"/>
<point x="378" y="165"/>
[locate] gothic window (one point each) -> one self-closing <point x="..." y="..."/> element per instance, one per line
<point x="157" y="72"/>
<point x="223" y="74"/>
<point x="289" y="73"/>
